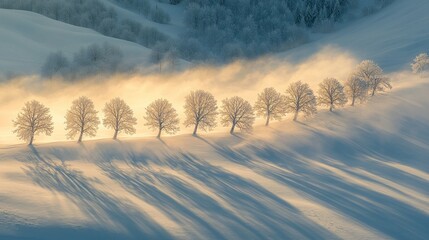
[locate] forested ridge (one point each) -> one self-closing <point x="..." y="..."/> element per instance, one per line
<point x="216" y="30"/>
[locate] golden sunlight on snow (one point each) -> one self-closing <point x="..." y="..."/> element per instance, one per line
<point x="243" y="78"/>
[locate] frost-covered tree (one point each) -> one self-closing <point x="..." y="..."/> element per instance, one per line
<point x="119" y="117"/>
<point x="174" y="2"/>
<point x="331" y="94"/>
<point x="82" y="119"/>
<point x="171" y="58"/>
<point x="373" y="75"/>
<point x="237" y="112"/>
<point x="420" y="63"/>
<point x="55" y="64"/>
<point x="248" y="28"/>
<point x="159" y="53"/>
<point x="96" y="58"/>
<point x="150" y="36"/>
<point x="94" y="14"/>
<point x="200" y="110"/>
<point x="224" y="28"/>
<point x="271" y="105"/>
<point x="160" y="16"/>
<point x="33" y="119"/>
<point x="300" y="98"/>
<point x="161" y="116"/>
<point x="141" y="6"/>
<point x="356" y="89"/>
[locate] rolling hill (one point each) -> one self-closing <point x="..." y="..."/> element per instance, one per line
<point x="28" y="38"/>
<point x="357" y="173"/>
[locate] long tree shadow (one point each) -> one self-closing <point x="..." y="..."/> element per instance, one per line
<point x="374" y="154"/>
<point x="374" y="209"/>
<point x="248" y="210"/>
<point x="152" y="188"/>
<point x="275" y="217"/>
<point x="114" y="218"/>
<point x="377" y="210"/>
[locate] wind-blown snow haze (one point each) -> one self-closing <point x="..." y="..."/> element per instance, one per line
<point x="197" y="119"/>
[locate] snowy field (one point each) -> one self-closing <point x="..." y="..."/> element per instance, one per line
<point x="357" y="173"/>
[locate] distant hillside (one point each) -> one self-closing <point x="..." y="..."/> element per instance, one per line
<point x="28" y="38"/>
<point x="392" y="37"/>
<point x="205" y="30"/>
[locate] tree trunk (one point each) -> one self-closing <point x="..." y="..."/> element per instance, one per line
<point x="373" y="91"/>
<point x="195" y="129"/>
<point x="296" y="116"/>
<point x="31" y="140"/>
<point x="268" y="120"/>
<point x="159" y="133"/>
<point x="232" y="129"/>
<point x="353" y="101"/>
<point x="116" y="135"/>
<point x="331" y="107"/>
<point x="80" y="137"/>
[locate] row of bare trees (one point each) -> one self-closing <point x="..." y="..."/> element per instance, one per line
<point x="201" y="110"/>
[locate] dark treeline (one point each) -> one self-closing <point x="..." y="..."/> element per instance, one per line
<point x="101" y="59"/>
<point x="144" y="8"/>
<point x="248" y="28"/>
<point x="88" y="61"/>
<point x="216" y="30"/>
<point x="201" y="109"/>
<point x="224" y="30"/>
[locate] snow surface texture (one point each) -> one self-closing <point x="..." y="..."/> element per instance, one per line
<point x="392" y="37"/>
<point x="28" y="38"/>
<point x="378" y="36"/>
<point x="357" y="173"/>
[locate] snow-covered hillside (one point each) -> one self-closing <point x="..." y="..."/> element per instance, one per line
<point x="380" y="36"/>
<point x="28" y="38"/>
<point x="357" y="173"/>
<point x="392" y="37"/>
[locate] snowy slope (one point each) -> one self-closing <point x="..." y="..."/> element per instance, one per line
<point x="392" y="37"/>
<point x="359" y="173"/>
<point x="27" y="38"/>
<point x="397" y="32"/>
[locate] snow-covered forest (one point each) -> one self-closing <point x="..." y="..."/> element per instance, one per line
<point x="232" y="29"/>
<point x="91" y="14"/>
<point x="88" y="61"/>
<point x="216" y="30"/>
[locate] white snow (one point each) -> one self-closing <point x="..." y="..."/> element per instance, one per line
<point x="392" y="37"/>
<point x="28" y="38"/>
<point x="357" y="173"/>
